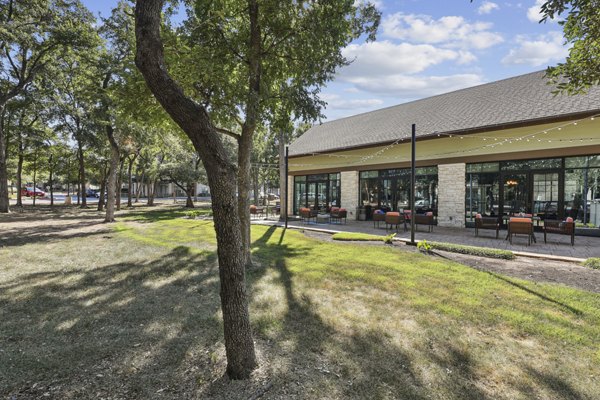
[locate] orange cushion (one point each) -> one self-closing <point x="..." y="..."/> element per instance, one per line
<point x="342" y="209"/>
<point x="514" y="219"/>
<point x="393" y="214"/>
<point x="569" y="219"/>
<point x="478" y="216"/>
<point x="429" y="214"/>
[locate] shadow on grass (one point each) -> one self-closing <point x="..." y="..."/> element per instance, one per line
<point x="537" y="294"/>
<point x="367" y="362"/>
<point x="49" y="232"/>
<point x="152" y="329"/>
<point x="125" y="330"/>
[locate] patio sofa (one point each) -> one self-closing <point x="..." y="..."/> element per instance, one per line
<point x="566" y="227"/>
<point x="491" y="223"/>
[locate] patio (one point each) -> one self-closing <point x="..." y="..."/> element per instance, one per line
<point x="558" y="245"/>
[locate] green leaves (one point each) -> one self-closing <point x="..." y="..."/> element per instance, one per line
<point x="581" y="27"/>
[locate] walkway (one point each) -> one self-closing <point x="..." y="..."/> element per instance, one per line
<point x="558" y="245"/>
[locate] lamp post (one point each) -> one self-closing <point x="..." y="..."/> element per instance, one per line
<point x="412" y="184"/>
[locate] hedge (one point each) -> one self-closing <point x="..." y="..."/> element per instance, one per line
<point x="593" y="262"/>
<point x="472" y="250"/>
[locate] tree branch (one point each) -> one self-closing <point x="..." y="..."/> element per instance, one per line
<point x="234" y="135"/>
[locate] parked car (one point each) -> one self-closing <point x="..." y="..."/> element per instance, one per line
<point x="92" y="193"/>
<point x="29" y="192"/>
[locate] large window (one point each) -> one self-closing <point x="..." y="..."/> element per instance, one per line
<point x="582" y="184"/>
<point x="552" y="188"/>
<point x="389" y="190"/>
<point x="319" y="192"/>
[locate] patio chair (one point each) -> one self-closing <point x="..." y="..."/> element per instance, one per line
<point x="424" y="219"/>
<point x="394" y="218"/>
<point x="337" y="214"/>
<point x="253" y="211"/>
<point x="306" y="214"/>
<point x="520" y="226"/>
<point x="378" y="216"/>
<point x="566" y="227"/>
<point x="486" y="223"/>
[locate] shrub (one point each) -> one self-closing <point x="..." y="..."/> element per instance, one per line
<point x="472" y="250"/>
<point x="350" y="236"/>
<point x="424" y="247"/>
<point x="593" y="262"/>
<point x="389" y="239"/>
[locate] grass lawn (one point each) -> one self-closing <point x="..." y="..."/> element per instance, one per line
<point x="132" y="310"/>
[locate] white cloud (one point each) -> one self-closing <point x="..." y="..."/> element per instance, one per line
<point x="534" y="14"/>
<point x="415" y="87"/>
<point x="539" y="51"/>
<point x="487" y="7"/>
<point x="336" y="102"/>
<point x="384" y="58"/>
<point x="449" y="31"/>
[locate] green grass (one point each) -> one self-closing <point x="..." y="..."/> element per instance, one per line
<point x="138" y="304"/>
<point x="593" y="262"/>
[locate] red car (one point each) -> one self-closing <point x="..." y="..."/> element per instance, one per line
<point x="29" y="192"/>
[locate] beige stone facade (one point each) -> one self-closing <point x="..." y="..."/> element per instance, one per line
<point x="349" y="195"/>
<point x="451" y="195"/>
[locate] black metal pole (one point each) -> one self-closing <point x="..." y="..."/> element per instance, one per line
<point x="287" y="191"/>
<point x="412" y="184"/>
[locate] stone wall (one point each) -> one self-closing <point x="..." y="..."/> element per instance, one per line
<point x="290" y="197"/>
<point x="451" y="195"/>
<point x="349" y="189"/>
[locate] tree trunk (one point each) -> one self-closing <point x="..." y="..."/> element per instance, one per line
<point x="130" y="181"/>
<point x="3" y="167"/>
<point x="189" y="192"/>
<point x="195" y="122"/>
<point x="119" y="184"/>
<point x="151" y="192"/>
<point x="81" y="174"/>
<point x="282" y="178"/>
<point x="50" y="179"/>
<point x="139" y="186"/>
<point x="101" y="201"/>
<point x="20" y="177"/>
<point x="112" y="175"/>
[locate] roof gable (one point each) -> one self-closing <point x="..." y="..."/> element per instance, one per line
<point x="506" y="102"/>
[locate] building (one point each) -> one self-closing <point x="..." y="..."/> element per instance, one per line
<point x="494" y="149"/>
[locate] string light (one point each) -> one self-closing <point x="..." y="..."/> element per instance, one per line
<point x="498" y="141"/>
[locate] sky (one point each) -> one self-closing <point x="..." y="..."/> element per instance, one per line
<point x="427" y="47"/>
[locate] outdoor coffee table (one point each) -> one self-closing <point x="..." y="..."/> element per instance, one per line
<point x="323" y="218"/>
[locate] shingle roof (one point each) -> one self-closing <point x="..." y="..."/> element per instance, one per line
<point x="510" y="101"/>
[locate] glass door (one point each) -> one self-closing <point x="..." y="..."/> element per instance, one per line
<point x="321" y="196"/>
<point x="516" y="194"/>
<point x="546" y="194"/>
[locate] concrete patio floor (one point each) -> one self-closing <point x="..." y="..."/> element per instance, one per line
<point x="558" y="245"/>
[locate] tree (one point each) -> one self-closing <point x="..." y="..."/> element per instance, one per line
<point x="581" y="28"/>
<point x="246" y="50"/>
<point x="252" y="56"/>
<point x="183" y="168"/>
<point x="32" y="34"/>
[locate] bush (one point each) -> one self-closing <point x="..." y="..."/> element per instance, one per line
<point x="593" y="262"/>
<point x="424" y="247"/>
<point x="472" y="250"/>
<point x="389" y="239"/>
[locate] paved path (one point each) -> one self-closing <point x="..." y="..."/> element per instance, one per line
<point x="558" y="245"/>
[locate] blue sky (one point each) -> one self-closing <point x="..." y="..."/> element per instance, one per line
<point x="427" y="47"/>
